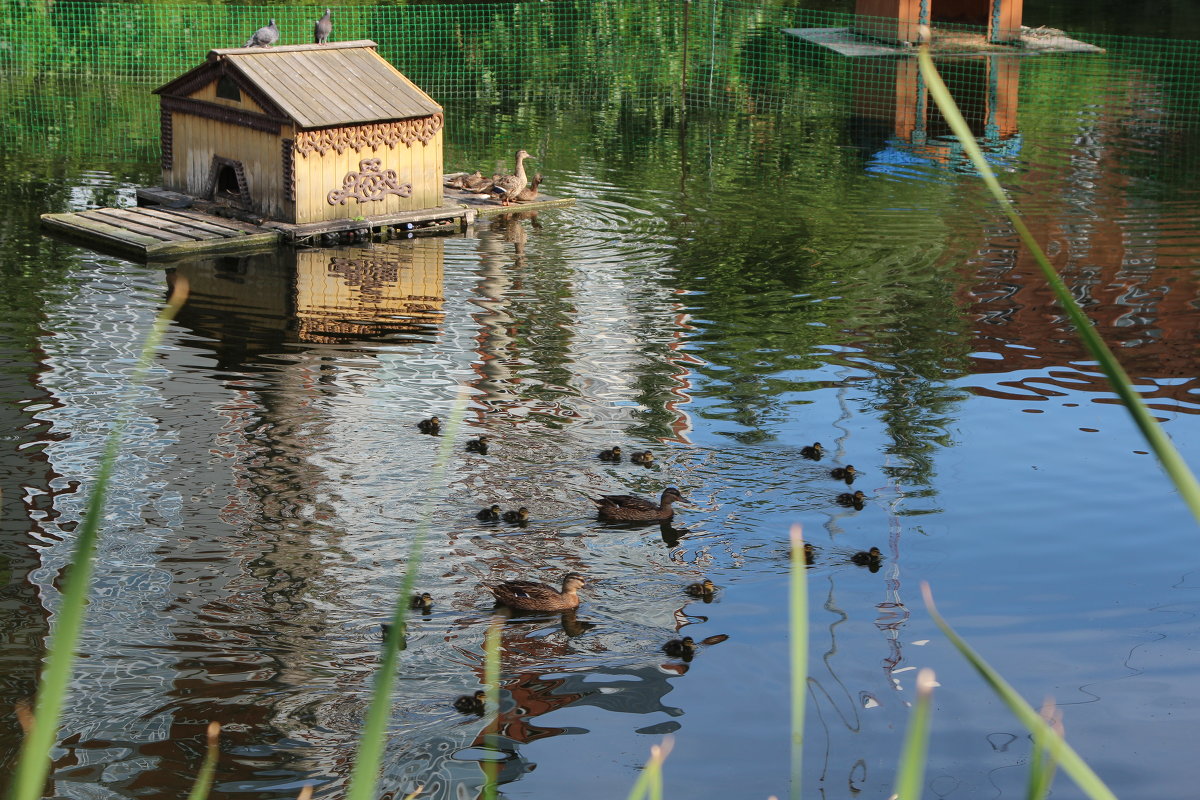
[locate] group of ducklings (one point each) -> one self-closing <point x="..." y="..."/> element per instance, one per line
<point x="615" y="454"/>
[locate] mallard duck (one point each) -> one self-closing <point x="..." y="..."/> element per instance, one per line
<point x="490" y="514"/>
<point x="529" y="193"/>
<point x="520" y="516"/>
<point x="845" y="473"/>
<point x="423" y="601"/>
<point x="431" y="425"/>
<point x="683" y="648"/>
<point x="855" y="500"/>
<point x="533" y="596"/>
<point x="475" y="182"/>
<point x="705" y="588"/>
<point x="813" y="451"/>
<point x="867" y="558"/>
<point x="507" y="187"/>
<point x="611" y="454"/>
<point x="630" y="507"/>
<point x="479" y="445"/>
<point x="642" y="457"/>
<point x="472" y="703"/>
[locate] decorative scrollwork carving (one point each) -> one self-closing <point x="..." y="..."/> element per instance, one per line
<point x="356" y="137"/>
<point x="372" y="182"/>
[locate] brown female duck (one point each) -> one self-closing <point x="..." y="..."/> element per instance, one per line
<point x="533" y="596"/>
<point x="507" y="187"/>
<point x="620" y="507"/>
<point x="530" y="192"/>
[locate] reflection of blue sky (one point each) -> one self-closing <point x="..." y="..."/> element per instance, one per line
<point x="902" y="159"/>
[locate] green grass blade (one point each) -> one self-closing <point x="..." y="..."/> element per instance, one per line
<point x="1056" y="746"/>
<point x="209" y="767"/>
<point x="365" y="774"/>
<point x="911" y="776"/>
<point x="798" y="604"/>
<point x="1156" y="437"/>
<point x="491" y="681"/>
<point x="650" y="781"/>
<point x="34" y="762"/>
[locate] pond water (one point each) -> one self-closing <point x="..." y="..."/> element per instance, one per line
<point x="730" y="287"/>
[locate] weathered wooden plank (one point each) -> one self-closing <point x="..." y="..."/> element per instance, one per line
<point x="164" y="250"/>
<point x="94" y="231"/>
<point x="291" y="48"/>
<point x="232" y="224"/>
<point x="190" y="228"/>
<point x="123" y="219"/>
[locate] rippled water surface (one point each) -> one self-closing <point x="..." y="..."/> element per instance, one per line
<point x="729" y="288"/>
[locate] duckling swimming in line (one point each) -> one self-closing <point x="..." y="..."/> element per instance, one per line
<point x="855" y="500"/>
<point x="813" y="451"/>
<point x="810" y="553"/>
<point x="868" y="558"/>
<point x="471" y="704"/>
<point x="845" y="473"/>
<point x="423" y="601"/>
<point x="491" y="514"/>
<point x="684" y="648"/>
<point x="611" y="454"/>
<point x="705" y="588"/>
<point x="479" y="445"/>
<point x="520" y="516"/>
<point x="431" y="425"/>
<point x="642" y="457"/>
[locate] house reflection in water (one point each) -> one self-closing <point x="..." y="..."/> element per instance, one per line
<point x="252" y="304"/>
<point x="899" y="125"/>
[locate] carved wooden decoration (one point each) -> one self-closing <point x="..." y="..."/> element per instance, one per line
<point x="289" y="170"/>
<point x="168" y="135"/>
<point x="372" y="182"/>
<point x="356" y="137"/>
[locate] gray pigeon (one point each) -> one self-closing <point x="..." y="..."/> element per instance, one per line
<point x="322" y="28"/>
<point x="264" y="37"/>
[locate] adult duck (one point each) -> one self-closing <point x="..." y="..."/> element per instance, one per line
<point x="507" y="187"/>
<point x="530" y="192"/>
<point x="534" y="596"/>
<point x="628" y="507"/>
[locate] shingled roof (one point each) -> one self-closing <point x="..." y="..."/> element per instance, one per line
<point x="316" y="86"/>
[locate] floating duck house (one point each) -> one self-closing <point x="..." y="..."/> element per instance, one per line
<point x="302" y="134"/>
<point x="900" y="20"/>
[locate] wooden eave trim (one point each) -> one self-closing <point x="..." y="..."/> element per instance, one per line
<point x="201" y="76"/>
<point x="289" y="48"/>
<point x="235" y="116"/>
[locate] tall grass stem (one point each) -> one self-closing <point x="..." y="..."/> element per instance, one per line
<point x="910" y="778"/>
<point x="798" y="613"/>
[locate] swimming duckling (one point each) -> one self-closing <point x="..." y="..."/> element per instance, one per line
<point x="813" y="451"/>
<point x="684" y="648"/>
<point x="612" y="454"/>
<point x="479" y="445"/>
<point x="642" y="457"/>
<point x="845" y="473"/>
<point x="520" y="516"/>
<point x="491" y="514"/>
<point x="431" y="425"/>
<point x="471" y="704"/>
<point x="810" y="553"/>
<point x="705" y="588"/>
<point x="868" y="558"/>
<point x="423" y="601"/>
<point x="855" y="500"/>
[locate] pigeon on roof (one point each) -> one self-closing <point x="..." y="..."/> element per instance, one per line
<point x="264" y="37"/>
<point x="322" y="28"/>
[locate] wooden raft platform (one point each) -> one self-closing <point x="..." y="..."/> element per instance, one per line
<point x="484" y="206"/>
<point x="153" y="233"/>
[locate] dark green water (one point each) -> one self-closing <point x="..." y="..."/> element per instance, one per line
<point x="770" y="266"/>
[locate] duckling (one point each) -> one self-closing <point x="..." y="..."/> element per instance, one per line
<point x="479" y="445"/>
<point x="813" y="451"/>
<point x="810" y="554"/>
<point x="855" y="500"/>
<point x="642" y="457"/>
<point x="520" y="516"/>
<point x="684" y="648"/>
<point x="705" y="588"/>
<point x="423" y="601"/>
<point x="431" y="425"/>
<point x="845" y="473"/>
<point x="472" y="704"/>
<point x="868" y="558"/>
<point x="533" y="596"/>
<point x="491" y="514"/>
<point x="612" y="454"/>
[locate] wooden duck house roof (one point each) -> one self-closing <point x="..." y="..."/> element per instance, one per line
<point x="316" y="86"/>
